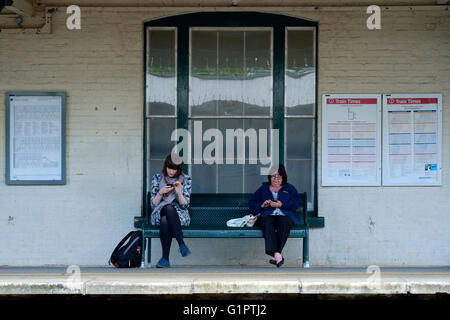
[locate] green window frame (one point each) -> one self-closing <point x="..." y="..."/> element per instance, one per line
<point x="279" y="25"/>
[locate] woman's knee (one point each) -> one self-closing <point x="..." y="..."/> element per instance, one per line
<point x="171" y="214"/>
<point x="163" y="223"/>
<point x="268" y="224"/>
<point x="267" y="220"/>
<point x="168" y="209"/>
<point x="285" y="221"/>
<point x="163" y="219"/>
<point x="284" y="225"/>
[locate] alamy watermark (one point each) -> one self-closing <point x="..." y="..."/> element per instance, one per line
<point x="74" y="280"/>
<point x="374" y="280"/>
<point x="73" y="22"/>
<point x="374" y="21"/>
<point x="191" y="146"/>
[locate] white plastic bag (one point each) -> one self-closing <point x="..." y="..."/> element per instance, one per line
<point x="251" y="222"/>
<point x="239" y="222"/>
<point x="248" y="220"/>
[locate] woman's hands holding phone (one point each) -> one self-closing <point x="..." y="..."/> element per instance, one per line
<point x="165" y="189"/>
<point x="275" y="204"/>
<point x="270" y="203"/>
<point x="177" y="185"/>
<point x="266" y="204"/>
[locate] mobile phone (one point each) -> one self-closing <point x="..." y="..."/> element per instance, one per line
<point x="169" y="185"/>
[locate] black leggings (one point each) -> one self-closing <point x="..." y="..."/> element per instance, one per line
<point x="276" y="231"/>
<point x="169" y="227"/>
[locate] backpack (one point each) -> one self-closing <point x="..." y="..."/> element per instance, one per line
<point x="129" y="255"/>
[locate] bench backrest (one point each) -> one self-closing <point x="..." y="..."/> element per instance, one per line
<point x="212" y="210"/>
<point x="220" y="200"/>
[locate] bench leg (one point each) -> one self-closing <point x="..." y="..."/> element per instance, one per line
<point x="143" y="252"/>
<point x="149" y="251"/>
<point x="306" y="250"/>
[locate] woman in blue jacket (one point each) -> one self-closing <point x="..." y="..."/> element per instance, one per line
<point x="276" y="201"/>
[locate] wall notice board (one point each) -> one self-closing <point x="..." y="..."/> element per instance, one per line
<point x="412" y="139"/>
<point x="351" y="140"/>
<point x="35" y="137"/>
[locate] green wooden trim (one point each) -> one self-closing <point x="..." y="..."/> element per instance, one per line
<point x="144" y="208"/>
<point x="139" y="222"/>
<point x="231" y="233"/>
<point x="316" y="164"/>
<point x="233" y="19"/>
<point x="230" y="19"/>
<point x="278" y="85"/>
<point x="315" y="221"/>
<point x="183" y="80"/>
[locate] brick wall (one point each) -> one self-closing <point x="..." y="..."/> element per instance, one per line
<point x="100" y="68"/>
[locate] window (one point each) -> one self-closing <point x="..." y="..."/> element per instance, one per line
<point x="300" y="115"/>
<point x="249" y="71"/>
<point x="161" y="95"/>
<point x="230" y="87"/>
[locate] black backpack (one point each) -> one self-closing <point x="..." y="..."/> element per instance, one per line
<point x="130" y="255"/>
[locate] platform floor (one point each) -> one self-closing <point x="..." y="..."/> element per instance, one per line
<point x="223" y="280"/>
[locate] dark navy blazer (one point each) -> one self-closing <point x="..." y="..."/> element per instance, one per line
<point x="288" y="195"/>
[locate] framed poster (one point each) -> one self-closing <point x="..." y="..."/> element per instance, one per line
<point x="35" y="137"/>
<point x="351" y="140"/>
<point x="412" y="139"/>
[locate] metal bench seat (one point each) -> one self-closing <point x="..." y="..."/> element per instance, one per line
<point x="209" y="214"/>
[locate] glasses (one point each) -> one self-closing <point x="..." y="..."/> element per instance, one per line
<point x="276" y="177"/>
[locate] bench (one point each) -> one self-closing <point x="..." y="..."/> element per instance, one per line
<point x="209" y="215"/>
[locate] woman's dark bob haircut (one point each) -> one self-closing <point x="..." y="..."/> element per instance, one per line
<point x="281" y="171"/>
<point x="173" y="161"/>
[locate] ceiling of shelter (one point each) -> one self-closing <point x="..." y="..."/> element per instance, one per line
<point x="246" y="3"/>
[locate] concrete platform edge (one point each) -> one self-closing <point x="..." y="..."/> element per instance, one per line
<point x="223" y="287"/>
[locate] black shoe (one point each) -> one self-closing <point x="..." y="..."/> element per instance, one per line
<point x="279" y="264"/>
<point x="273" y="261"/>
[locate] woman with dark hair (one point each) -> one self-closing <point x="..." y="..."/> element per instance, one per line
<point x="170" y="196"/>
<point x="276" y="201"/>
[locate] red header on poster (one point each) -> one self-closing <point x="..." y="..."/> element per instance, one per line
<point x="411" y="100"/>
<point x="351" y="101"/>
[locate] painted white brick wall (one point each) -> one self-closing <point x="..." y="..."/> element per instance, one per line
<point x="100" y="68"/>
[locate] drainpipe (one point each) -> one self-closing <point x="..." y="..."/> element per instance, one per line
<point x="22" y="7"/>
<point x="46" y="28"/>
